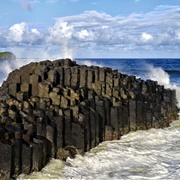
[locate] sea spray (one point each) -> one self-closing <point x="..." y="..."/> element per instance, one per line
<point x="150" y="72"/>
<point x="163" y="78"/>
<point x="90" y="63"/>
<point x="8" y="66"/>
<point x="158" y="74"/>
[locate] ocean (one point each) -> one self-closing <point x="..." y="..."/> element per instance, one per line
<point x="152" y="154"/>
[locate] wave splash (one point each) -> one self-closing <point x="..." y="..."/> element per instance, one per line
<point x="163" y="78"/>
<point x="8" y="66"/>
<point x="89" y="63"/>
<point x="154" y="73"/>
<point x="153" y="157"/>
<point x="159" y="75"/>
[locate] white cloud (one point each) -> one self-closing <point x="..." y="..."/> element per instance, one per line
<point x="94" y="32"/>
<point x="60" y="32"/>
<point x="83" y="34"/>
<point x="146" y="37"/>
<point x="21" y="33"/>
<point x="177" y="33"/>
<point x="16" y="32"/>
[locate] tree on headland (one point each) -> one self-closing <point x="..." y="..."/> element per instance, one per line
<point x="7" y="55"/>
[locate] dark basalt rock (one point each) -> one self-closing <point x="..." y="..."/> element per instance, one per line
<point x="57" y="109"/>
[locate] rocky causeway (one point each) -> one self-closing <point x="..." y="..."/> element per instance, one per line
<point x="56" y="109"/>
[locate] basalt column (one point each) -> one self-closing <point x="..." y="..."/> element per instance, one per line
<point x="56" y="109"/>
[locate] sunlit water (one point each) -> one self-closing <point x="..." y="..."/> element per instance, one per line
<point x="153" y="154"/>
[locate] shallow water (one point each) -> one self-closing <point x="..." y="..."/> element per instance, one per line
<point x="151" y="154"/>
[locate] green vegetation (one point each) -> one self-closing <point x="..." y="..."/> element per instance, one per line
<point x="7" y="56"/>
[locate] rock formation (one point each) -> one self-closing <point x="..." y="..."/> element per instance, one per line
<point x="7" y="56"/>
<point x="57" y="109"/>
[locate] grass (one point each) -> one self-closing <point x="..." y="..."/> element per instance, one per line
<point x="7" y="55"/>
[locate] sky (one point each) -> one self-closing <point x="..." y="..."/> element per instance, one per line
<point x="90" y="28"/>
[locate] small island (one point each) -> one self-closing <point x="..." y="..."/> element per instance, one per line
<point x="7" y="56"/>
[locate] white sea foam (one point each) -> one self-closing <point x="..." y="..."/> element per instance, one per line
<point x="90" y="63"/>
<point x="155" y="156"/>
<point x="158" y="74"/>
<point x="163" y="78"/>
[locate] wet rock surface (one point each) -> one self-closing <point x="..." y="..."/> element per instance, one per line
<point x="55" y="109"/>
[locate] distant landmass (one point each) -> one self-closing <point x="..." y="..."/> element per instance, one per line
<point x="7" y="56"/>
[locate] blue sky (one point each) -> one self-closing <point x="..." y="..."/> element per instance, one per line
<point x="90" y="28"/>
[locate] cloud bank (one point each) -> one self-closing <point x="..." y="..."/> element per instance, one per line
<point x="93" y="34"/>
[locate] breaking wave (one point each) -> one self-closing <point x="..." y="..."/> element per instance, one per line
<point x="89" y="63"/>
<point x="163" y="78"/>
